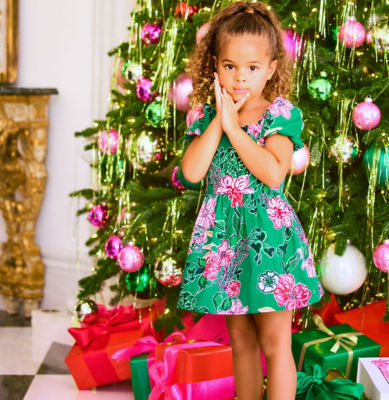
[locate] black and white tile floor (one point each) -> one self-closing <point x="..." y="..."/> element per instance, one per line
<point x="32" y="366"/>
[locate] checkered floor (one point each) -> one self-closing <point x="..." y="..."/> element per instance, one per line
<point x="32" y="363"/>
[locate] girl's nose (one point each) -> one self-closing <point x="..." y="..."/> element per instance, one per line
<point x="240" y="77"/>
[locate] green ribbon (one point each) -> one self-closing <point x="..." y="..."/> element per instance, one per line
<point x="312" y="383"/>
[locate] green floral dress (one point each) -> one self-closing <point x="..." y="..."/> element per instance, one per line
<point x="248" y="252"/>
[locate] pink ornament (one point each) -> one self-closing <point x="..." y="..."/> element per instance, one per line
<point x="293" y="44"/>
<point x="369" y="36"/>
<point x="113" y="246"/>
<point x="143" y="89"/>
<point x="108" y="141"/>
<point x="352" y="33"/>
<point x="366" y="115"/>
<point x="194" y="114"/>
<point x="98" y="215"/>
<point x="130" y="258"/>
<point x="151" y="33"/>
<point x="300" y="161"/>
<point x="180" y="90"/>
<point x="176" y="182"/>
<point x="202" y="31"/>
<point x="381" y="256"/>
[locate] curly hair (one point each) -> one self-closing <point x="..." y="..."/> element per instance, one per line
<point x="236" y="19"/>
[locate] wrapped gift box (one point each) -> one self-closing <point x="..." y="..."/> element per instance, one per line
<point x="196" y="370"/>
<point x="373" y="374"/>
<point x="140" y="376"/>
<point x="89" y="360"/>
<point x="318" y="346"/>
<point x="368" y="320"/>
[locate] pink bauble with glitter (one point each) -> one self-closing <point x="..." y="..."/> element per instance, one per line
<point x="108" y="141"/>
<point x="352" y="33"/>
<point x="180" y="90"/>
<point x="293" y="44"/>
<point x="202" y="31"/>
<point x="98" y="215"/>
<point x="369" y="36"/>
<point x="366" y="115"/>
<point x="194" y="114"/>
<point x="143" y="89"/>
<point x="151" y="33"/>
<point x="176" y="182"/>
<point x="381" y="256"/>
<point x="130" y="258"/>
<point x="300" y="160"/>
<point x="112" y="246"/>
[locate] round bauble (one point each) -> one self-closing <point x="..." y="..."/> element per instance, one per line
<point x="167" y="273"/>
<point x="344" y="148"/>
<point x="112" y="246"/>
<point x="379" y="38"/>
<point x="381" y="256"/>
<point x="130" y="258"/>
<point x="84" y="307"/>
<point x="300" y="160"/>
<point x="352" y="33"/>
<point x="343" y="274"/>
<point x="378" y="158"/>
<point x="151" y="33"/>
<point x="179" y="92"/>
<point x="185" y="10"/>
<point x="140" y="281"/>
<point x="293" y="44"/>
<point x="366" y="115"/>
<point x="176" y="182"/>
<point x="143" y="89"/>
<point x="108" y="141"/>
<point x="131" y="71"/>
<point x="320" y="89"/>
<point x="98" y="215"/>
<point x="154" y="114"/>
<point x="147" y="148"/>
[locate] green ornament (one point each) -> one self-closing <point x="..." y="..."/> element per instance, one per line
<point x="320" y="89"/>
<point x="131" y="70"/>
<point x="154" y="114"/>
<point x="139" y="281"/>
<point x="378" y="157"/>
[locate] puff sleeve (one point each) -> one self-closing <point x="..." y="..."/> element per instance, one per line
<point x="202" y="118"/>
<point x="286" y="119"/>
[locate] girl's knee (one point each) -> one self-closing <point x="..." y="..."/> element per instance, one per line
<point x="242" y="342"/>
<point x="275" y="343"/>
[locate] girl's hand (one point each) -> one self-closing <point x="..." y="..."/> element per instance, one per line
<point x="230" y="117"/>
<point x="218" y="96"/>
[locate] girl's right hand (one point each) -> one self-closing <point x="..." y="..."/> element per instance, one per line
<point x="218" y="96"/>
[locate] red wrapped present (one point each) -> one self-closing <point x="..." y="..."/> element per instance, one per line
<point x="195" y="370"/>
<point x="368" y="320"/>
<point x="328" y="311"/>
<point x="102" y="334"/>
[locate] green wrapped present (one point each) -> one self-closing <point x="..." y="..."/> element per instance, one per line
<point x="140" y="377"/>
<point x="319" y="384"/>
<point x="338" y="347"/>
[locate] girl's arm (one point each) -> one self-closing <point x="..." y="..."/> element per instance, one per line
<point x="270" y="163"/>
<point x="199" y="154"/>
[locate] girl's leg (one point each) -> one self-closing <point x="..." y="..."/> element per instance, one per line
<point x="245" y="355"/>
<point x="275" y="340"/>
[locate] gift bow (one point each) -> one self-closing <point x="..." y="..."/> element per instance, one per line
<point x="341" y="340"/>
<point x="97" y="326"/>
<point x="313" y="384"/>
<point x="145" y="344"/>
<point x="162" y="372"/>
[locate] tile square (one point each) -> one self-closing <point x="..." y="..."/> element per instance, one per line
<point x="54" y="361"/>
<point x="14" y="387"/>
<point x="13" y="319"/>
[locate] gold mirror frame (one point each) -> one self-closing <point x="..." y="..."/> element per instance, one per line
<point x="8" y="41"/>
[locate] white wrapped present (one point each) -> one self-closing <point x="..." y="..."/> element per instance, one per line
<point x="373" y="373"/>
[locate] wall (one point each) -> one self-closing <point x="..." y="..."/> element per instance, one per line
<point x="64" y="45"/>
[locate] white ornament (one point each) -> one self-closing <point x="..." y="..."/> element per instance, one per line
<point x="343" y="274"/>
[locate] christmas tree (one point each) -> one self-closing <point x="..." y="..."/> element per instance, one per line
<point x="144" y="210"/>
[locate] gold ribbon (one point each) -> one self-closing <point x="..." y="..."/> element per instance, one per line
<point x="341" y="340"/>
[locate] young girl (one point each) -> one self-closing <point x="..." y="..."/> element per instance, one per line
<point x="248" y="258"/>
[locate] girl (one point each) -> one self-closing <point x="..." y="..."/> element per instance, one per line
<point x="248" y="258"/>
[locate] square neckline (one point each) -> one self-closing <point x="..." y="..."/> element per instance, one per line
<point x="263" y="115"/>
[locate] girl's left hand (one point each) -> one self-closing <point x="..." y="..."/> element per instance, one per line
<point x="230" y="117"/>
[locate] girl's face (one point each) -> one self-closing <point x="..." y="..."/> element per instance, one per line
<point x="243" y="65"/>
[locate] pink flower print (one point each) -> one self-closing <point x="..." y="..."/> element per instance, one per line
<point x="281" y="106"/>
<point x="235" y="188"/>
<point x="194" y="114"/>
<point x="255" y="129"/>
<point x="308" y="263"/>
<point x="206" y="217"/>
<point x="236" y="308"/>
<point x="290" y="295"/>
<point x="225" y="253"/>
<point x="233" y="289"/>
<point x="196" y="132"/>
<point x="212" y="266"/>
<point x="261" y="141"/>
<point x="383" y="366"/>
<point x="320" y="289"/>
<point x="279" y="213"/>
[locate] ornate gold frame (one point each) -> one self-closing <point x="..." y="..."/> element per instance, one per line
<point x="9" y="41"/>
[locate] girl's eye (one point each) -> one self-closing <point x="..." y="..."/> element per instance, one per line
<point x="228" y="66"/>
<point x="253" y="68"/>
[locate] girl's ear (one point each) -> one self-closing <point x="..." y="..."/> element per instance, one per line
<point x="272" y="68"/>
